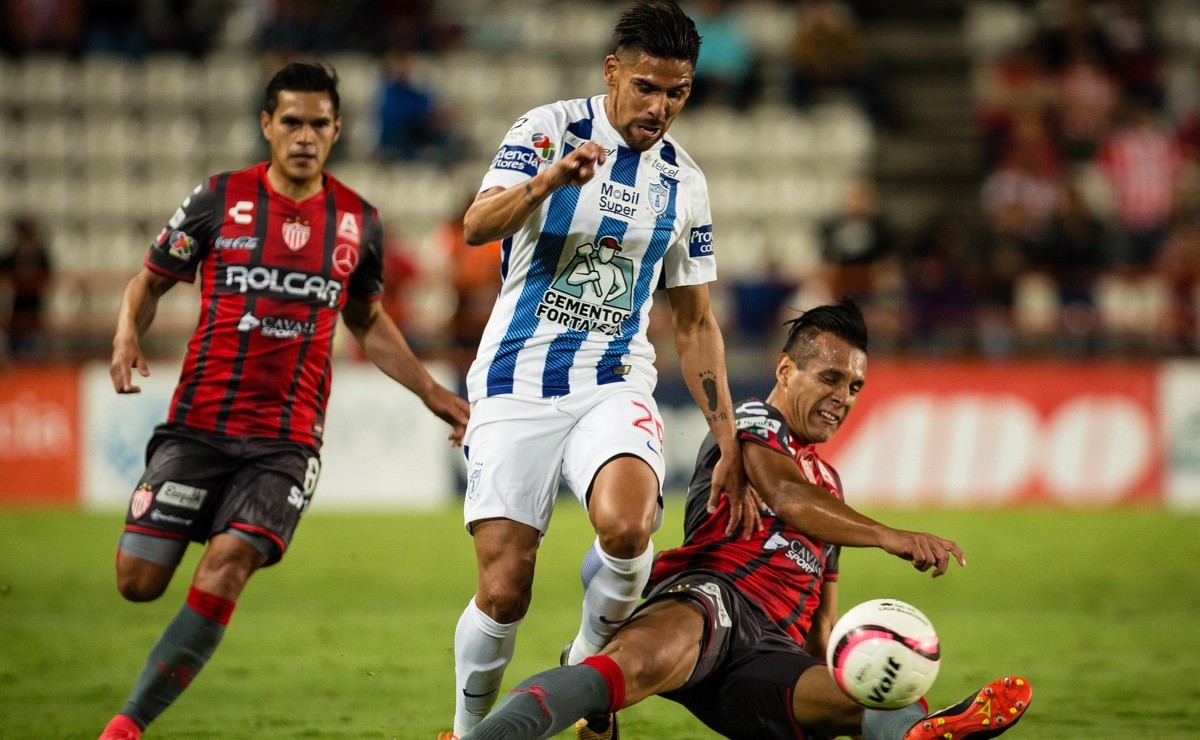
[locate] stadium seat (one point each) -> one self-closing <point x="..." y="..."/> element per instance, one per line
<point x="43" y="81"/>
<point x="165" y="84"/>
<point x="172" y="140"/>
<point x="992" y="27"/>
<point x="231" y="85"/>
<point x="112" y="138"/>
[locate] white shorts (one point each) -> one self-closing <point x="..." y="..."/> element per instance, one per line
<point x="516" y="449"/>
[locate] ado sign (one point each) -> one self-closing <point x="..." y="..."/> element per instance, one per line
<point x="998" y="434"/>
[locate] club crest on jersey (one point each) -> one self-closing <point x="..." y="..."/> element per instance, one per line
<point x="593" y="291"/>
<point x="660" y="196"/>
<point x="139" y="503"/>
<point x="296" y="232"/>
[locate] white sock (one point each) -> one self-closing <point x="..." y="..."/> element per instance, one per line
<point x="482" y="650"/>
<point x="611" y="589"/>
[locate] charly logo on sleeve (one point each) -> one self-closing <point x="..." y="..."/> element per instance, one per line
<point x="593" y="291"/>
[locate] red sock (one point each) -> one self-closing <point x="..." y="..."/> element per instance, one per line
<point x="210" y="606"/>
<point x="613" y="679"/>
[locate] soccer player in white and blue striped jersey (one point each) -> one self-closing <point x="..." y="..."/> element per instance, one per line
<point x="597" y="207"/>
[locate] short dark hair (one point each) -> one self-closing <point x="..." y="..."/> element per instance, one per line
<point x="659" y="28"/>
<point x="843" y="319"/>
<point x="303" y="77"/>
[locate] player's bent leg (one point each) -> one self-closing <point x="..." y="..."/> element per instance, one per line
<point x="623" y="505"/>
<point x="145" y="564"/>
<point x="505" y="557"/>
<point x="227" y="565"/>
<point x="623" y="508"/>
<point x="194" y="634"/>
<point x="486" y="634"/>
<point x="656" y="651"/>
<point x="821" y="707"/>
<point x="984" y="714"/>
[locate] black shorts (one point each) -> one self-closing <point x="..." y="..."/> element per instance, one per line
<point x="743" y="681"/>
<point x="198" y="484"/>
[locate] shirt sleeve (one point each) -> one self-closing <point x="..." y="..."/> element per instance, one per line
<point x="832" y="563"/>
<point x="762" y="424"/>
<point x="182" y="245"/>
<point x="532" y="143"/>
<point x="690" y="259"/>
<point x="366" y="282"/>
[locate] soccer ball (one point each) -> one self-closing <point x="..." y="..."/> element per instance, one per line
<point x="883" y="653"/>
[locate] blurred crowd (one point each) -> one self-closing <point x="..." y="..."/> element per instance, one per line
<point x="1085" y="238"/>
<point x="1090" y="200"/>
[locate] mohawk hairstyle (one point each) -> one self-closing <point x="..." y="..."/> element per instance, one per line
<point x="843" y="319"/>
<point x="660" y="29"/>
<point x="303" y="77"/>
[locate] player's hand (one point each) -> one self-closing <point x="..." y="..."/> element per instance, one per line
<point x="923" y="549"/>
<point x="729" y="478"/>
<point x="127" y="354"/>
<point x="450" y="408"/>
<point x="578" y="167"/>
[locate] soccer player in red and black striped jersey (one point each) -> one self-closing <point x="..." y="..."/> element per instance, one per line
<point x="282" y="249"/>
<point x="730" y="626"/>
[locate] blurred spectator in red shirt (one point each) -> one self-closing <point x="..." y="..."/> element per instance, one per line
<point x="1143" y="163"/>
<point x="1015" y="85"/>
<point x="1020" y="197"/>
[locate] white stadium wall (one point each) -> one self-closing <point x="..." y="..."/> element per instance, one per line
<point x="383" y="449"/>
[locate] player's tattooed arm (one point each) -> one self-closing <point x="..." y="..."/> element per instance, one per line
<point x="702" y="359"/>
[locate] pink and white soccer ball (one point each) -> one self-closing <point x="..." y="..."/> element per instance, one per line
<point x="884" y="654"/>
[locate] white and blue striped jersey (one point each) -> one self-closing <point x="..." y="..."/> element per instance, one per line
<point x="578" y="276"/>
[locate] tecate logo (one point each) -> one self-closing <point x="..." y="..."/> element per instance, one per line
<point x="297" y="285"/>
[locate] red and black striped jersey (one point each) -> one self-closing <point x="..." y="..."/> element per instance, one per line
<point x="779" y="568"/>
<point x="274" y="275"/>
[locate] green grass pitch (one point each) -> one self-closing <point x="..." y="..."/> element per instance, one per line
<point x="351" y="636"/>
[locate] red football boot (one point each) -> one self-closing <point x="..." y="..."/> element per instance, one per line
<point x="986" y="713"/>
<point x="121" y="728"/>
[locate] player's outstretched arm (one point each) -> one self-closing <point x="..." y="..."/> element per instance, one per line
<point x="139" y="303"/>
<point x="384" y="344"/>
<point x="498" y="213"/>
<point x="811" y="510"/>
<point x="702" y="361"/>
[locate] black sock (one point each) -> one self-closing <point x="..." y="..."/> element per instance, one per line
<point x="182" y="650"/>
<point x="546" y="704"/>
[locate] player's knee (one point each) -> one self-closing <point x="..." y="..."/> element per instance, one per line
<point x="135" y="585"/>
<point x="625" y="539"/>
<point x="504" y="603"/>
